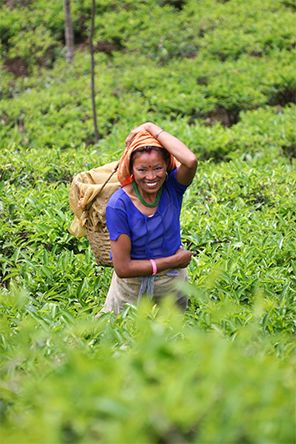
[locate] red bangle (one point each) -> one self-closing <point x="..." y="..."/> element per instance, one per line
<point x="154" y="267"/>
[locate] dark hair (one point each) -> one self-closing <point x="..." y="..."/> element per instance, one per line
<point x="147" y="149"/>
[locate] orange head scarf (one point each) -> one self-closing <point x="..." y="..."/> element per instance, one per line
<point x="140" y="140"/>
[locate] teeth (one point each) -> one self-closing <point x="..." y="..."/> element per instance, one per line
<point x="151" y="184"/>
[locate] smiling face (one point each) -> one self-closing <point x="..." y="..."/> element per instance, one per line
<point x="149" y="169"/>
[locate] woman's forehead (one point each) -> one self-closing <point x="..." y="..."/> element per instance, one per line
<point x="150" y="158"/>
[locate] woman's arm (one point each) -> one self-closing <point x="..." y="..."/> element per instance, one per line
<point x="174" y="146"/>
<point x="125" y="267"/>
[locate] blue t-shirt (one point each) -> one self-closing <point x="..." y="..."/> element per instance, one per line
<point x="154" y="236"/>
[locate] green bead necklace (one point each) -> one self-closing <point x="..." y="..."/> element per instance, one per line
<point x="153" y="204"/>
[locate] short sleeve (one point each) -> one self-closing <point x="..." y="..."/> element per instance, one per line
<point x="117" y="222"/>
<point x="177" y="186"/>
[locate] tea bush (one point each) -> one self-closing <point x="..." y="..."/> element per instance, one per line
<point x="115" y="380"/>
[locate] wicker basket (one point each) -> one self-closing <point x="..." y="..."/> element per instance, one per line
<point x="99" y="239"/>
<point x="100" y="244"/>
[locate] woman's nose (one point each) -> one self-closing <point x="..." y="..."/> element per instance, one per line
<point x="150" y="174"/>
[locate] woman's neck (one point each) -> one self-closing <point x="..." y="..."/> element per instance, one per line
<point x="147" y="211"/>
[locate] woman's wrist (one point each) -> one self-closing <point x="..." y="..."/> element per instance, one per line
<point x="154" y="267"/>
<point x="165" y="263"/>
<point x="152" y="129"/>
<point x="158" y="133"/>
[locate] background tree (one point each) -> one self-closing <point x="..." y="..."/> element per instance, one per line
<point x="91" y="48"/>
<point x="69" y="34"/>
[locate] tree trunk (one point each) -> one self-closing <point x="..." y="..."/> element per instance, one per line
<point x="93" y="71"/>
<point x="69" y="34"/>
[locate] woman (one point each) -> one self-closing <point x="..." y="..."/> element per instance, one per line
<point x="143" y="218"/>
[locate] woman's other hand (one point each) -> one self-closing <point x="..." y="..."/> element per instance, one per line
<point x="182" y="257"/>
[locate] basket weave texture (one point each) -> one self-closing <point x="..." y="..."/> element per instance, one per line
<point x="100" y="244"/>
<point x="90" y="192"/>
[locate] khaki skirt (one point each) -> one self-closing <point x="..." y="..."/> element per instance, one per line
<point x="131" y="290"/>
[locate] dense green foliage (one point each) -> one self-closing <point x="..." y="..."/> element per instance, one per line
<point x="209" y="60"/>
<point x="220" y="75"/>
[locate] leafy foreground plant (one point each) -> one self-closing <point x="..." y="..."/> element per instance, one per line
<point x="142" y="377"/>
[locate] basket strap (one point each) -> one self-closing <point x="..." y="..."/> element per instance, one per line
<point x="102" y="187"/>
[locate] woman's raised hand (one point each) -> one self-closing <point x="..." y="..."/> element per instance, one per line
<point x="147" y="126"/>
<point x="132" y="134"/>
